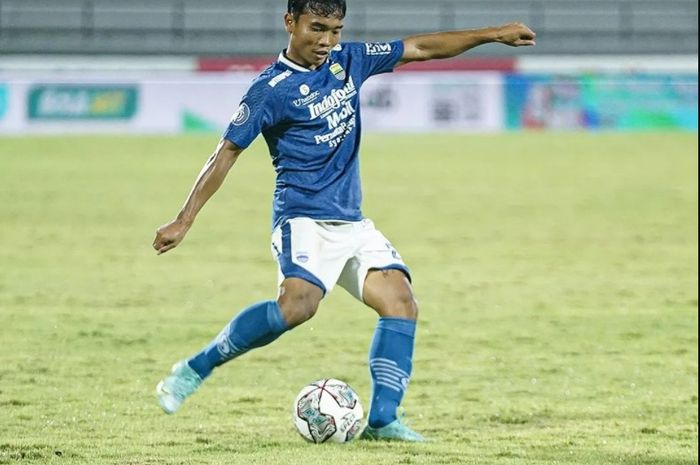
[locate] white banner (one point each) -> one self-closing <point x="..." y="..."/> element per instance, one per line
<point x="177" y="102"/>
<point x="463" y="101"/>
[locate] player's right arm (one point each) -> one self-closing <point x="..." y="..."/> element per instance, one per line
<point x="208" y="182"/>
<point x="257" y="111"/>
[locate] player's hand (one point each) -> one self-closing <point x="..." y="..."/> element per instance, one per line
<point x="170" y="235"/>
<point x="516" y="35"/>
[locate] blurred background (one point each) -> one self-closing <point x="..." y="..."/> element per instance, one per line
<point x="174" y="66"/>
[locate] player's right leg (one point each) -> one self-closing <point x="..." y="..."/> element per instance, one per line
<point x="255" y="326"/>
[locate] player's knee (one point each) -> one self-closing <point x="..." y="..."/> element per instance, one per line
<point x="298" y="307"/>
<point x="401" y="304"/>
<point x="407" y="305"/>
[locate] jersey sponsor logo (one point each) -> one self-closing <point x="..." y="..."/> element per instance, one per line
<point x="241" y="115"/>
<point x="337" y="135"/>
<point x="306" y="100"/>
<point x="340" y="113"/>
<point x="377" y="49"/>
<point x="304" y="90"/>
<point x="279" y="78"/>
<point x="335" y="100"/>
<point x="335" y="118"/>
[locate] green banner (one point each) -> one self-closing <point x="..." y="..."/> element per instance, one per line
<point x="82" y="102"/>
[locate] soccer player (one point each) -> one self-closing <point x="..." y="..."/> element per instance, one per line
<point x="307" y="107"/>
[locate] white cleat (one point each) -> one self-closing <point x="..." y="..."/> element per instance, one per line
<point x="177" y="386"/>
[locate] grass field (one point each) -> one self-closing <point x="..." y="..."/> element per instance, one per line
<point x="557" y="276"/>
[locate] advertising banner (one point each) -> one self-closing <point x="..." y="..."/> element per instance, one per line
<point x="605" y="102"/>
<point x="139" y="102"/>
<point x="178" y="102"/>
<point x="82" y="102"/>
<point x="475" y="101"/>
<point x="4" y="100"/>
<point x="434" y="101"/>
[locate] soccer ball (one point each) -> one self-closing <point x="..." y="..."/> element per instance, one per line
<point x="327" y="410"/>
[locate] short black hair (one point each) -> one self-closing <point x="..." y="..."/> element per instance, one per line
<point x="328" y="8"/>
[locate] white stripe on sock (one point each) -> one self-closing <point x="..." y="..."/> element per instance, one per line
<point x="395" y="372"/>
<point x="388" y="364"/>
<point x="387" y="374"/>
<point x="389" y="384"/>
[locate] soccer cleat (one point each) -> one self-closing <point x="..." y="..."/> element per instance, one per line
<point x="394" y="431"/>
<point x="177" y="386"/>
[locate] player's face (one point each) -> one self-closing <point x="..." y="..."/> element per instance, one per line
<point x="311" y="38"/>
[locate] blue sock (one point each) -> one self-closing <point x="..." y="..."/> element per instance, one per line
<point x="390" y="364"/>
<point x="256" y="326"/>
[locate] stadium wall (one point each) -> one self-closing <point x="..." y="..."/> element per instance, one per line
<point x="478" y="95"/>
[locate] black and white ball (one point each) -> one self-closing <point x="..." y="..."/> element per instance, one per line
<point x="328" y="410"/>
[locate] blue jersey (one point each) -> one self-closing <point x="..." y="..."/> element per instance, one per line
<point x="311" y="122"/>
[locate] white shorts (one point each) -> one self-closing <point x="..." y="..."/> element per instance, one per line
<point x="328" y="252"/>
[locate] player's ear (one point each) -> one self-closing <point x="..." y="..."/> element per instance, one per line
<point x="289" y="22"/>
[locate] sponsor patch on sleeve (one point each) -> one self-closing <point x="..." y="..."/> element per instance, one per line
<point x="377" y="49"/>
<point x="241" y="115"/>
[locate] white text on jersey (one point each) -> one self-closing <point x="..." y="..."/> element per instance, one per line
<point x="377" y="49"/>
<point x="333" y="101"/>
<point x="279" y="78"/>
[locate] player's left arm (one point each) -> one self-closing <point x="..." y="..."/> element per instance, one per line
<point x="452" y="43"/>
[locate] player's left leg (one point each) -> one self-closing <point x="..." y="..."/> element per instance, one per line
<point x="377" y="276"/>
<point x="389" y="293"/>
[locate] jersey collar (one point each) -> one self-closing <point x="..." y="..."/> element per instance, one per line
<point x="290" y="64"/>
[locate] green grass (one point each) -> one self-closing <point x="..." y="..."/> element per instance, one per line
<point x="557" y="277"/>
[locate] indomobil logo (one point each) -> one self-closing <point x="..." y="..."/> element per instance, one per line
<point x="82" y="102"/>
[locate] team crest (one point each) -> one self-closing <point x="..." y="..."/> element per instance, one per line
<point x="338" y="71"/>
